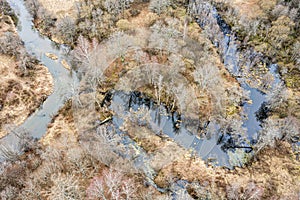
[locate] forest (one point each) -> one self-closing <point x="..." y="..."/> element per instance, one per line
<point x="149" y="99"/>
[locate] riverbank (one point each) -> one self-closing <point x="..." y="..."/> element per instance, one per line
<point x="262" y="179"/>
<point x="271" y="27"/>
<point x="106" y="144"/>
<point x="21" y="91"/>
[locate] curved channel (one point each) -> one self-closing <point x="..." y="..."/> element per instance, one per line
<point x="38" y="45"/>
<point x="224" y="39"/>
<point x="233" y="58"/>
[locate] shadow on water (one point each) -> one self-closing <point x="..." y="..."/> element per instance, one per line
<point x="216" y="147"/>
<point x="234" y="58"/>
<point x="162" y="123"/>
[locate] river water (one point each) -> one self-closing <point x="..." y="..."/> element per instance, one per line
<point x="234" y="59"/>
<point x="224" y="40"/>
<point x="37" y="45"/>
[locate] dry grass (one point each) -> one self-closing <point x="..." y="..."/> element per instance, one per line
<point x="20" y="96"/>
<point x="250" y="9"/>
<point x="276" y="173"/>
<point x="59" y="8"/>
<point x="62" y="125"/>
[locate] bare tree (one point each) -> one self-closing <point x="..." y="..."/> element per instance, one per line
<point x="22" y="142"/>
<point x="187" y="20"/>
<point x="97" y="190"/>
<point x="290" y="129"/>
<point x="32" y="189"/>
<point x="165" y="37"/>
<point x="277" y="96"/>
<point x="9" y="193"/>
<point x="293" y="14"/>
<point x="181" y="96"/>
<point x="79" y="162"/>
<point x="116" y="7"/>
<point x="269" y="134"/>
<point x="112" y="185"/>
<point x="251" y="191"/>
<point x="118" y="44"/>
<point x="65" y="187"/>
<point x="159" y="88"/>
<point x="5" y="9"/>
<point x="103" y="145"/>
<point x="9" y="44"/>
<point x="280" y="10"/>
<point x="10" y="152"/>
<point x="141" y="117"/>
<point x="159" y="6"/>
<point x="66" y="30"/>
<point x="280" y="32"/>
<point x="207" y="76"/>
<point x="91" y="59"/>
<point x="295" y="53"/>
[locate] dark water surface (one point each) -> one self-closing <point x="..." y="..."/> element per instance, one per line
<point x="233" y="59"/>
<point x="162" y="121"/>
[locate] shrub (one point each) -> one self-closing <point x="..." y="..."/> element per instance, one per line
<point x="65" y="187"/>
<point x="10" y="44"/>
<point x="159" y="6"/>
<point x="124" y="25"/>
<point x="66" y="30"/>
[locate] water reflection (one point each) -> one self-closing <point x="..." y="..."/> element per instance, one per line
<point x="164" y="123"/>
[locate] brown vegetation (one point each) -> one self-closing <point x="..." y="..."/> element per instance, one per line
<point x="274" y="174"/>
<point x="21" y="96"/>
<point x="23" y="87"/>
<point x="172" y="61"/>
<point x="271" y="27"/>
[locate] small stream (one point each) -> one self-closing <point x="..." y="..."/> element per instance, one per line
<point x="37" y="45"/>
<point x="233" y="57"/>
<point x="163" y="121"/>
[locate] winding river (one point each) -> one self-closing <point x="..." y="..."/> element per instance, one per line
<point x="234" y="59"/>
<point x="224" y="40"/>
<point x="38" y="45"/>
<point x="212" y="149"/>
